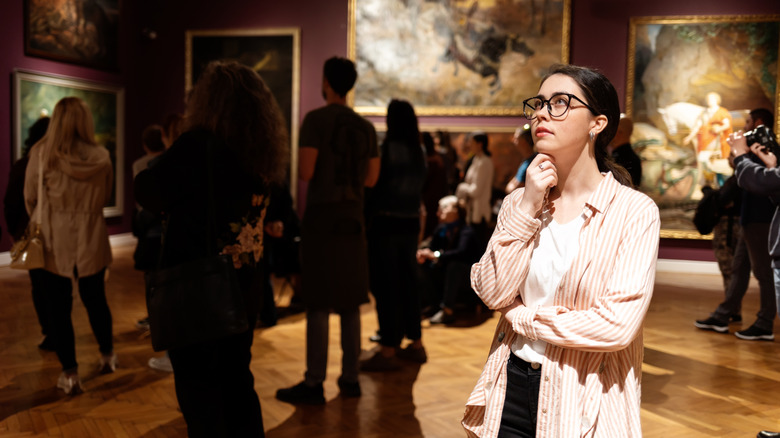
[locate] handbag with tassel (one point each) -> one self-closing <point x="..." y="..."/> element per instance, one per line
<point x="27" y="252"/>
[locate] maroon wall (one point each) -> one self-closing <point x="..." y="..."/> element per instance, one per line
<point x="152" y="71"/>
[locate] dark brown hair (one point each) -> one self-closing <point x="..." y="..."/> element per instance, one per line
<point x="233" y="102"/>
<point x="600" y="94"/>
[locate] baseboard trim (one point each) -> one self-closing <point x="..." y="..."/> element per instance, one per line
<point x="664" y="265"/>
<point x="116" y="241"/>
<point x="687" y="267"/>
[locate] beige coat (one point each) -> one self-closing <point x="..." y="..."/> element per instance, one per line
<point x="74" y="230"/>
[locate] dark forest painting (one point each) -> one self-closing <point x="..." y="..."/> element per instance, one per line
<point x="76" y="31"/>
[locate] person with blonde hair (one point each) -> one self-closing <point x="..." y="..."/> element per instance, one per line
<point x="234" y="146"/>
<point x="77" y="182"/>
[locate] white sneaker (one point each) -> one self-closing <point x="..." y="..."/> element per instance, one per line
<point x="107" y="364"/>
<point x="162" y="363"/>
<point x="70" y="384"/>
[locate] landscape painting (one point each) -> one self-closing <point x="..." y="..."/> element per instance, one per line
<point x="37" y="94"/>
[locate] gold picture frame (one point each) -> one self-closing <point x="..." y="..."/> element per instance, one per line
<point x="458" y="58"/>
<point x="36" y="94"/>
<point x="686" y="74"/>
<point x="275" y="53"/>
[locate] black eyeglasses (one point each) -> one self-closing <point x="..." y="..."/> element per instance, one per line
<point x="557" y="105"/>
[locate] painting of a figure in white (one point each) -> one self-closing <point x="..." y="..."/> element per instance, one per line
<point x="693" y="81"/>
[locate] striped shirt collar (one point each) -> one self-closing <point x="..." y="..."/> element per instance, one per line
<point x="601" y="198"/>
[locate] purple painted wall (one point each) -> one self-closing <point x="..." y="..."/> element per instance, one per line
<point x="152" y="71"/>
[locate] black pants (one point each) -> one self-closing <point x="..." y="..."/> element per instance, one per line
<point x="518" y="419"/>
<point x="57" y="292"/>
<point x="445" y="284"/>
<point x="39" y="299"/>
<point x="214" y="385"/>
<point x="394" y="286"/>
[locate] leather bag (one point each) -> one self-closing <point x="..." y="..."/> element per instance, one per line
<point x="199" y="300"/>
<point x="27" y="252"/>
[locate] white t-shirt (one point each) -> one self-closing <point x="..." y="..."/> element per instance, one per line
<point x="555" y="250"/>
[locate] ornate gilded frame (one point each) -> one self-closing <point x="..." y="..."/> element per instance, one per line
<point x="274" y="52"/>
<point x="450" y="87"/>
<point x="734" y="56"/>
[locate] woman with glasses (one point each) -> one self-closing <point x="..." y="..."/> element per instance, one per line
<point x="570" y="267"/>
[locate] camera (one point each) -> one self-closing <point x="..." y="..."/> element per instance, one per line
<point x="763" y="136"/>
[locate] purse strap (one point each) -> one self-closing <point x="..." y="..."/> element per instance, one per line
<point x="38" y="213"/>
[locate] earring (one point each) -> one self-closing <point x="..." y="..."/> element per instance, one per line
<point x="591" y="135"/>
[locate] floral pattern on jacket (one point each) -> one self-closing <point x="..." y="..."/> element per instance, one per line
<point x="245" y="241"/>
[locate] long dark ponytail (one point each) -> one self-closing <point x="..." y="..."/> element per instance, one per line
<point x="601" y="95"/>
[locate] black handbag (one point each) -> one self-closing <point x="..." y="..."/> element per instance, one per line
<point x="199" y="300"/>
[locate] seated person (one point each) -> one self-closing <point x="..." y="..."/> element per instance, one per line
<point x="445" y="260"/>
<point x="280" y="253"/>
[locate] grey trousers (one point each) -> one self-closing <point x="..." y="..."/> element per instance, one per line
<point x="317" y="339"/>
<point x="755" y="237"/>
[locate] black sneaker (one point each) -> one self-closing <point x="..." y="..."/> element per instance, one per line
<point x="735" y="318"/>
<point x="754" y="333"/>
<point x="302" y="394"/>
<point x="712" y="324"/>
<point x="349" y="389"/>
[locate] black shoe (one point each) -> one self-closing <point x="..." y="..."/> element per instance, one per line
<point x="416" y="355"/>
<point x="768" y="434"/>
<point x="302" y="394"/>
<point x="712" y="324"/>
<point x="142" y="324"/>
<point x="754" y="333"/>
<point x="735" y="318"/>
<point x="442" y="317"/>
<point x="47" y="344"/>
<point x="349" y="389"/>
<point x="380" y="363"/>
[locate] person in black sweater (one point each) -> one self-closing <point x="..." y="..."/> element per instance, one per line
<point x="235" y="127"/>
<point x="393" y="231"/>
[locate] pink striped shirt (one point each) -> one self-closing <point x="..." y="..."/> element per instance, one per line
<point x="591" y="373"/>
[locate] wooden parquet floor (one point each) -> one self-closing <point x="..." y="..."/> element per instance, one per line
<point x="696" y="383"/>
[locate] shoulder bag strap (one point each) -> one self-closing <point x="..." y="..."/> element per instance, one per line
<point x="39" y="204"/>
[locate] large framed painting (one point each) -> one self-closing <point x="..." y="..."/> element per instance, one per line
<point x="35" y="95"/>
<point x="691" y="81"/>
<point x="458" y="57"/>
<point x="274" y="53"/>
<point x="77" y="31"/>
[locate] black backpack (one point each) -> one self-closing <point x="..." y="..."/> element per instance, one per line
<point x="707" y="212"/>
